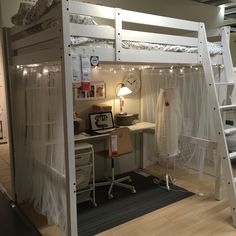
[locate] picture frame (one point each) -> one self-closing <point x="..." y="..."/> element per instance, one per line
<point x="98" y="91"/>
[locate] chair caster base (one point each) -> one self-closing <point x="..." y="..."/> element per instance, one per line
<point x="110" y="196"/>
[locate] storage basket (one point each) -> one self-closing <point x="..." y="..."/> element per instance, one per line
<point x="83" y="175"/>
<point x="82" y="159"/>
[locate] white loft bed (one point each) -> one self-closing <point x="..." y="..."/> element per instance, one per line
<point x="53" y="44"/>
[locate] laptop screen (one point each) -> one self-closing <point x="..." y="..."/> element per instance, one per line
<point x="101" y="120"/>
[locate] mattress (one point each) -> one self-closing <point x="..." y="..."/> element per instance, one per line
<point x="29" y="13"/>
<point x="214" y="48"/>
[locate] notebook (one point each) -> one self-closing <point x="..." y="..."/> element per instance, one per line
<point x="101" y="122"/>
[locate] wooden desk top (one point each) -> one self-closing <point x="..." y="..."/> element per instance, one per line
<point x="136" y="128"/>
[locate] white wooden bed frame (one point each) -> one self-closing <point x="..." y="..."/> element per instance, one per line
<point x="54" y="45"/>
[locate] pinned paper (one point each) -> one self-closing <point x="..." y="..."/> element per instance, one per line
<point x="114" y="147"/>
<point x="86" y="73"/>
<point x="76" y="69"/>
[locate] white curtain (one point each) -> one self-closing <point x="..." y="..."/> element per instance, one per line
<point x="196" y="116"/>
<point x="38" y="137"/>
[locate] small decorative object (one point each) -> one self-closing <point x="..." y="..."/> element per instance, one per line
<point x="123" y="90"/>
<point x="94" y="61"/>
<point x="98" y="91"/>
<point x="132" y="81"/>
<point x="126" y="119"/>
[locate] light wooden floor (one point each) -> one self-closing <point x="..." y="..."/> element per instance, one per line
<point x="5" y="174"/>
<point x="199" y="215"/>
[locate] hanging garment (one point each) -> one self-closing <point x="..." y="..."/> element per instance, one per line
<point x="168" y="122"/>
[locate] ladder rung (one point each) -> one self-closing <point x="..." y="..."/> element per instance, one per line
<point x="228" y="107"/>
<point x="232" y="155"/>
<point x="224" y="83"/>
<point x="230" y="130"/>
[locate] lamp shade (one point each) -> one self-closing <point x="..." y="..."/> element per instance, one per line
<point x="123" y="91"/>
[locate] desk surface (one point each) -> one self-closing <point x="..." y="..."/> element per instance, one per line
<point x="139" y="127"/>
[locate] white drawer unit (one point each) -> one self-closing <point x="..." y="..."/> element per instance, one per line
<point x="85" y="172"/>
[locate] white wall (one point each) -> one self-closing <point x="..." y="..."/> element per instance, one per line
<point x="8" y="9"/>
<point x="111" y="79"/>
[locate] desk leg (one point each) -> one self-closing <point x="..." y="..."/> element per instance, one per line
<point x="93" y="169"/>
<point x="142" y="149"/>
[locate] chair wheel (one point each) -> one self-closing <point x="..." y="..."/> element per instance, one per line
<point x="95" y="204"/>
<point x="110" y="196"/>
<point x="156" y="181"/>
<point x="134" y="191"/>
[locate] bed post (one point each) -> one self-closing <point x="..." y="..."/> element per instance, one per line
<point x="68" y="120"/>
<point x="227" y="59"/>
<point x="222" y="149"/>
<point x="118" y="31"/>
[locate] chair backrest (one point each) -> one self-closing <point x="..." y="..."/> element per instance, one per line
<point x="120" y="142"/>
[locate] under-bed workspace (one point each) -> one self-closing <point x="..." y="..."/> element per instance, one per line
<point x="113" y="105"/>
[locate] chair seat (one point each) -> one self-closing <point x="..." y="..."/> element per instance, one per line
<point x="123" y="145"/>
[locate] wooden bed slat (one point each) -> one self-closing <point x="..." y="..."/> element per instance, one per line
<point x="92" y="10"/>
<point x="161" y="21"/>
<point x="93" y="31"/>
<point x="49" y="55"/>
<point x="105" y="54"/>
<point x="145" y="56"/>
<point x="36" y="38"/>
<point x="159" y="38"/>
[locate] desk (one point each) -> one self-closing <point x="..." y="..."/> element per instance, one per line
<point x="141" y="127"/>
<point x="136" y="128"/>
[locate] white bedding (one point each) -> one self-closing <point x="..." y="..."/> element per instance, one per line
<point x="214" y="48"/>
<point x="29" y="13"/>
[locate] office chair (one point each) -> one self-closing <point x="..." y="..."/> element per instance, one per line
<point x="120" y="143"/>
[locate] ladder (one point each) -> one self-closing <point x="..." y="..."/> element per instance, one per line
<point x="218" y="110"/>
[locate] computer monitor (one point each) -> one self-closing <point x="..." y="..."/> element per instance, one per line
<point x="101" y="121"/>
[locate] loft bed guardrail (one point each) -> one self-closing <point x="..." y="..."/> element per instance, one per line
<point x="36" y="46"/>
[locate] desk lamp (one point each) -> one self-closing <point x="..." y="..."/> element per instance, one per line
<point x="121" y="93"/>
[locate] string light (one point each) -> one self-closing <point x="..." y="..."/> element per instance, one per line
<point x="131" y="68"/>
<point x="39" y="75"/>
<point x="45" y="71"/>
<point x="25" y="72"/>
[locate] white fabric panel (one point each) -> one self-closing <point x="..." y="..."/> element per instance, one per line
<point x="194" y="104"/>
<point x="38" y="139"/>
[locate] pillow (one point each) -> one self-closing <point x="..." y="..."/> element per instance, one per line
<point x="23" y="10"/>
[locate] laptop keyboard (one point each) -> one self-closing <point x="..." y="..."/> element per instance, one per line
<point x="104" y="131"/>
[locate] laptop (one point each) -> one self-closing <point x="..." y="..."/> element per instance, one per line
<point x="101" y="123"/>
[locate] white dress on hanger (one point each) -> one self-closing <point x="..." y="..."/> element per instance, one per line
<point x="168" y="122"/>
